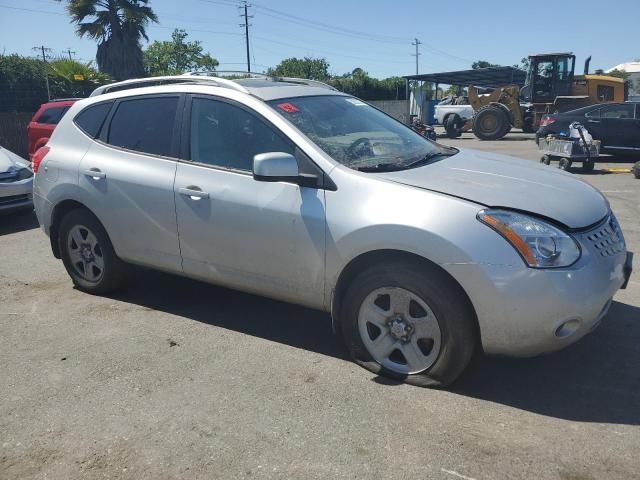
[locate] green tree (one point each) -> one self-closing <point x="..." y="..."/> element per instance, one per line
<point x="117" y="26"/>
<point x="70" y="78"/>
<point x="483" y="64"/>
<point x="623" y="74"/>
<point x="307" y="67"/>
<point x="524" y="64"/>
<point x="177" y="56"/>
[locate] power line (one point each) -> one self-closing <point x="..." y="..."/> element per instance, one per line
<point x="70" y="52"/>
<point x="246" y="31"/>
<point x="44" y="49"/>
<point x="417" y="44"/>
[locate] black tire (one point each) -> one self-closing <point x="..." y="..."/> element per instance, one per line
<point x="636" y="170"/>
<point x="490" y="123"/>
<point x="114" y="272"/>
<point x="588" y="166"/>
<point x="564" y="164"/>
<point x="453" y="125"/>
<point x="448" y="302"/>
<point x="546" y="159"/>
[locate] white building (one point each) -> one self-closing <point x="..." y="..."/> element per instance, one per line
<point x="633" y="69"/>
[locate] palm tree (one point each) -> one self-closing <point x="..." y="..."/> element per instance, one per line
<point x="117" y="26"/>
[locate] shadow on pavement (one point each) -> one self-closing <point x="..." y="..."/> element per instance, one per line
<point x="241" y="312"/>
<point x="18" y="222"/>
<point x="595" y="380"/>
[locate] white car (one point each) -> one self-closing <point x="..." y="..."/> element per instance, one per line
<point x="16" y="183"/>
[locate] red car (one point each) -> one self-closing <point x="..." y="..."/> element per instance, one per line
<point x="44" y="121"/>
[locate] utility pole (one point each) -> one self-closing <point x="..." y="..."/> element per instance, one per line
<point x="416" y="43"/>
<point x="69" y="51"/>
<point x="246" y="30"/>
<point x="46" y="70"/>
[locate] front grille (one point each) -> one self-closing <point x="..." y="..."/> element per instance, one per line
<point x="12" y="199"/>
<point x="607" y="239"/>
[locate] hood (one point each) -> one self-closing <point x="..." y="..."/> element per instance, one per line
<point x="497" y="180"/>
<point x="9" y="160"/>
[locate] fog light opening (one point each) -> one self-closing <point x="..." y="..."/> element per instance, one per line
<point x="568" y="328"/>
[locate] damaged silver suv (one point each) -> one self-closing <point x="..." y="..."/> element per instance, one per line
<point x="290" y="189"/>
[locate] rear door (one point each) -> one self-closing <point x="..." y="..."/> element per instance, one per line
<point x="127" y="177"/>
<point x="619" y="126"/>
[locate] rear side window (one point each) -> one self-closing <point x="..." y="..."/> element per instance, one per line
<point x="52" y="115"/>
<point x="90" y="119"/>
<point x="144" y="125"/>
<point x="617" y="111"/>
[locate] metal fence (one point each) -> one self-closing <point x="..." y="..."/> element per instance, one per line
<point x="13" y="131"/>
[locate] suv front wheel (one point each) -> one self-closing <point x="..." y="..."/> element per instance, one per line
<point x="409" y="322"/>
<point x="88" y="255"/>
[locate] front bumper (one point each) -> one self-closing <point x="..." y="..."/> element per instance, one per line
<point x="525" y="312"/>
<point x="16" y="195"/>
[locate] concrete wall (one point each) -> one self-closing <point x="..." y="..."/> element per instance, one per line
<point x="396" y="108"/>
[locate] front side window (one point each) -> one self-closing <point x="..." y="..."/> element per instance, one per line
<point x="53" y="115"/>
<point x="356" y="134"/>
<point x="617" y="111"/>
<point x="228" y="136"/>
<point x="144" y="125"/>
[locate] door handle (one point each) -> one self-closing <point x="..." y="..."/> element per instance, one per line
<point x="95" y="173"/>
<point x="593" y="121"/>
<point x="193" y="192"/>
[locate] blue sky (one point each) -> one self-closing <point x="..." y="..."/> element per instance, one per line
<point x="375" y="35"/>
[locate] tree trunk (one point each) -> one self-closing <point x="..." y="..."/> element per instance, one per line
<point x="121" y="57"/>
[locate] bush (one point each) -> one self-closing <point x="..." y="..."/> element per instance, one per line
<point x="23" y="85"/>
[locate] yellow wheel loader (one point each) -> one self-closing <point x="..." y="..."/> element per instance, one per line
<point x="550" y="87"/>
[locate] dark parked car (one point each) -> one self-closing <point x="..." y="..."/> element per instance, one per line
<point x="616" y="125"/>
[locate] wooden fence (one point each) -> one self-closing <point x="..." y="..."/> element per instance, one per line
<point x="13" y="132"/>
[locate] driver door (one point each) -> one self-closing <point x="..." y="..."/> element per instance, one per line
<point x="262" y="237"/>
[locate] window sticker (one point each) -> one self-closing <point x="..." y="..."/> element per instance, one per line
<point x="356" y="102"/>
<point x="288" y="107"/>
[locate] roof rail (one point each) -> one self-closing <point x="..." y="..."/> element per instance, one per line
<point x="147" y="82"/>
<point x="304" y="81"/>
<point x="273" y="78"/>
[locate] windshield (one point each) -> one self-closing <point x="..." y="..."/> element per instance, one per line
<point x="358" y="135"/>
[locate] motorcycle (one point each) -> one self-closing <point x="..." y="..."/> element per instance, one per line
<point x="423" y="129"/>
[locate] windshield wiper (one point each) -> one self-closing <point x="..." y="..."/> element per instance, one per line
<point x="392" y="167"/>
<point x="381" y="167"/>
<point x="427" y="158"/>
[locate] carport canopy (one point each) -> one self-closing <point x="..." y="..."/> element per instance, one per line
<point x="491" y="77"/>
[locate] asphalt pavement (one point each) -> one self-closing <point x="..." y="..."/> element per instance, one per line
<point x="176" y="379"/>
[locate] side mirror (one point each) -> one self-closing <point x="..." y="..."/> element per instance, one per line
<point x="275" y="167"/>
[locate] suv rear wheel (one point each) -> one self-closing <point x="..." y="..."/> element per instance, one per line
<point x="409" y="323"/>
<point x="88" y="255"/>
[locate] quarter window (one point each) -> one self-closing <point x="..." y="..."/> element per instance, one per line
<point x="144" y="125"/>
<point x="228" y="136"/>
<point x="91" y="118"/>
<point x="52" y="116"/>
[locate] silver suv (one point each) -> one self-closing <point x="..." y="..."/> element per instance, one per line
<point x="289" y="189"/>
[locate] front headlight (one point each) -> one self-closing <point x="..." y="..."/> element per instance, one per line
<point x="540" y="244"/>
<point x="24" y="173"/>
